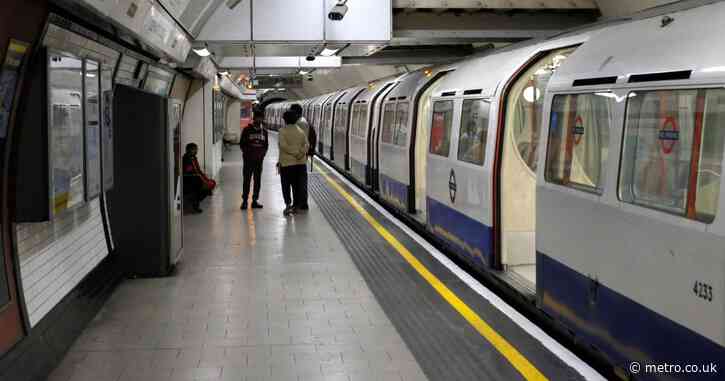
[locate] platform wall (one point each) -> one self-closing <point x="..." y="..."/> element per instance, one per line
<point x="55" y="256"/>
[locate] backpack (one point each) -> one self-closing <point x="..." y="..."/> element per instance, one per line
<point x="312" y="140"/>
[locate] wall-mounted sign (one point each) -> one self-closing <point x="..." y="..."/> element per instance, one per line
<point x="9" y="79"/>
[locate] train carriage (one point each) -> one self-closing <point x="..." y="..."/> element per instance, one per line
<point x="362" y="119"/>
<point x="341" y="128"/>
<point x="329" y="109"/>
<point x="583" y="170"/>
<point x="632" y="174"/>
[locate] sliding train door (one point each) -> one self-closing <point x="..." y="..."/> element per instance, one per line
<point x="517" y="153"/>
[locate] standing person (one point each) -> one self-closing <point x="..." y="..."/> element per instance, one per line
<point x="293" y="148"/>
<point x="196" y="184"/>
<point x="254" y="144"/>
<point x="312" y="141"/>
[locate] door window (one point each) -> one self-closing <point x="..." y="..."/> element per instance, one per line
<point x="400" y="135"/>
<point x="579" y="140"/>
<point x="440" y="131"/>
<point x="673" y="150"/>
<point x="474" y="128"/>
<point x="388" y="123"/>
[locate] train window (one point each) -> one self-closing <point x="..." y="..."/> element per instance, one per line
<point x="400" y="132"/>
<point x="65" y="83"/>
<point x="525" y="101"/>
<point x="673" y="151"/>
<point x="388" y="123"/>
<point x="578" y="140"/>
<point x="440" y="131"/>
<point x="363" y="119"/>
<point x="340" y="118"/>
<point x="474" y="127"/>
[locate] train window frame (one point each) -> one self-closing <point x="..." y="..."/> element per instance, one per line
<point x="484" y="133"/>
<point x="565" y="181"/>
<point x="449" y="129"/>
<point x="93" y="160"/>
<point x="689" y="212"/>
<point x="399" y="127"/>
<point x="390" y="130"/>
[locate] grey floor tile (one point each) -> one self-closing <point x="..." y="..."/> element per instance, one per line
<point x="257" y="296"/>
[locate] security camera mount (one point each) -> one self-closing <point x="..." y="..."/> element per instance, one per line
<point x="338" y="11"/>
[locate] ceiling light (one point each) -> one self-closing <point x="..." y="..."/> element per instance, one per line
<point x="328" y="52"/>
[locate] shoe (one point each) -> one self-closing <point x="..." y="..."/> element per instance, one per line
<point x="196" y="210"/>
<point x="303" y="207"/>
<point x="289" y="210"/>
<point x="256" y="205"/>
<point x="244" y="206"/>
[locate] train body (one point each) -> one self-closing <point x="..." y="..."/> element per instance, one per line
<point x="583" y="170"/>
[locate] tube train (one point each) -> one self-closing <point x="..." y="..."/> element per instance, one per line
<point x="584" y="170"/>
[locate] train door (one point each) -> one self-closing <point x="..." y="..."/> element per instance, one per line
<point x="518" y="138"/>
<point x="373" y="121"/>
<point x="376" y="138"/>
<point x="419" y="149"/>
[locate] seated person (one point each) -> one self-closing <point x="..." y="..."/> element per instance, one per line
<point x="196" y="184"/>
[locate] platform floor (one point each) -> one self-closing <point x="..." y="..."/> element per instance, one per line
<point x="316" y="296"/>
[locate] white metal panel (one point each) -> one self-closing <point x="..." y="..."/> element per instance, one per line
<point x="55" y="256"/>
<point x="229" y="24"/>
<point x="368" y="20"/>
<point x="284" y="20"/>
<point x="646" y="47"/>
<point x="131" y="14"/>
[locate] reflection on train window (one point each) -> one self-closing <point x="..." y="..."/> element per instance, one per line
<point x="355" y="120"/>
<point x="525" y="104"/>
<point x="93" y="133"/>
<point x="65" y="82"/>
<point x="400" y="132"/>
<point x="440" y="131"/>
<point x="340" y="124"/>
<point x="673" y="150"/>
<point x="474" y="127"/>
<point x="362" y="125"/>
<point x="388" y="123"/>
<point x="579" y="140"/>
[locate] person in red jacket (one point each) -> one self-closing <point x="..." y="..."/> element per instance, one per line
<point x="196" y="183"/>
<point x="254" y="144"/>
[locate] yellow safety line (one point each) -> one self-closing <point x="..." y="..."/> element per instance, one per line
<point x="516" y="359"/>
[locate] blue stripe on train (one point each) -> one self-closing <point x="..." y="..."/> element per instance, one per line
<point x="466" y="236"/>
<point x="394" y="192"/>
<point x="624" y="330"/>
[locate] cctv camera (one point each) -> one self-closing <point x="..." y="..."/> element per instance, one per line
<point x="310" y="58"/>
<point x="337" y="12"/>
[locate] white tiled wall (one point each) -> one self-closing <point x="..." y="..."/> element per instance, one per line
<point x="55" y="256"/>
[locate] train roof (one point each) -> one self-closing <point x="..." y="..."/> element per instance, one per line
<point x="653" y="49"/>
<point x="350" y="94"/>
<point x="486" y="73"/>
